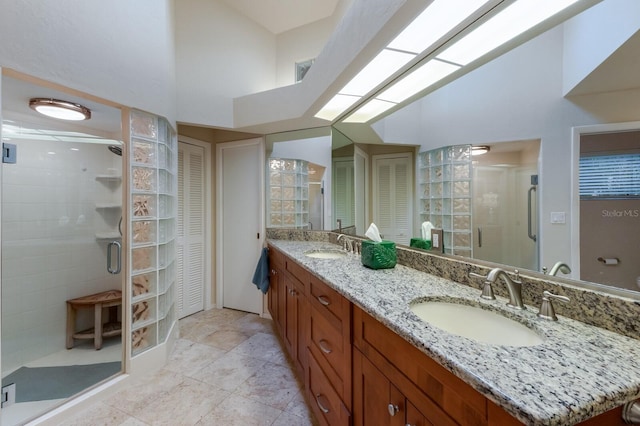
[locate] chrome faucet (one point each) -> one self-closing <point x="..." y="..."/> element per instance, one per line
<point x="514" y="286"/>
<point x="346" y="244"/>
<point x="560" y="266"/>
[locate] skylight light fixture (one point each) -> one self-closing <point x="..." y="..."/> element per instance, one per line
<point x="506" y="25"/>
<point x="378" y="70"/>
<point x="423" y="77"/>
<point x="433" y="23"/>
<point x="371" y="109"/>
<point x="425" y="41"/>
<point x="438" y="18"/>
<point x="428" y="74"/>
<point x="62" y="110"/>
<point x="336" y="106"/>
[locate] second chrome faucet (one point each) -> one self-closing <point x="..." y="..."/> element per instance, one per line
<point x="514" y="286"/>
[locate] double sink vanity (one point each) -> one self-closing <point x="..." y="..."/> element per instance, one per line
<point x="403" y="346"/>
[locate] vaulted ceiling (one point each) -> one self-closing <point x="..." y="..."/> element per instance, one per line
<point x="279" y="16"/>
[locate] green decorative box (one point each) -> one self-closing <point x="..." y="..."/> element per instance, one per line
<point x="420" y="243"/>
<point x="380" y="255"/>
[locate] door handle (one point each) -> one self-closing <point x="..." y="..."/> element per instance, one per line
<point x="118" y="267"/>
<point x="325" y="346"/>
<point x="324" y="300"/>
<point x="479" y="237"/>
<point x="529" y="225"/>
<point x="321" y="405"/>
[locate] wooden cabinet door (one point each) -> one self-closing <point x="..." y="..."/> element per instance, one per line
<point x="291" y="316"/>
<point x="273" y="295"/>
<point x="414" y="417"/>
<point x="295" y="321"/>
<point x="375" y="404"/>
<point x="302" y="307"/>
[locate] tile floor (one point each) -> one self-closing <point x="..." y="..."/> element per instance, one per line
<point x="228" y="368"/>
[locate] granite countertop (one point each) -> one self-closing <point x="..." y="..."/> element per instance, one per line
<point x="578" y="372"/>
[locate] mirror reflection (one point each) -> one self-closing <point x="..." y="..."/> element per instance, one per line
<point x="531" y="107"/>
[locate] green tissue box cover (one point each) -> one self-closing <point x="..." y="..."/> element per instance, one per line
<point x="380" y="255"/>
<point x="420" y="243"/>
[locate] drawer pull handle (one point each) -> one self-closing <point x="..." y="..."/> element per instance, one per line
<point x="323" y="300"/>
<point x="324" y="346"/>
<point x="322" y="407"/>
<point x="393" y="409"/>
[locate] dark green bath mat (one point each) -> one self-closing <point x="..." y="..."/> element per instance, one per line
<point x="43" y="383"/>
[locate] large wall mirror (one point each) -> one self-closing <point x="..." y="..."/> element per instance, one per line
<point x="530" y="107"/>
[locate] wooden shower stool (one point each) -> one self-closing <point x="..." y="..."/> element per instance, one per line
<point x="107" y="299"/>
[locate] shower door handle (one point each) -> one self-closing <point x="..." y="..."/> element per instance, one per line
<point x="479" y="236"/>
<point x="118" y="267"/>
<point x="529" y="226"/>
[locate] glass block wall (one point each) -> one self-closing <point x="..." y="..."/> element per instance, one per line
<point x="288" y="189"/>
<point x="154" y="194"/>
<point x="445" y="195"/>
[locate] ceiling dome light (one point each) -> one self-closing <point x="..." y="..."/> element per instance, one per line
<point x="479" y="150"/>
<point x="62" y="110"/>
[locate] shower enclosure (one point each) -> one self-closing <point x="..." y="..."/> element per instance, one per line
<point x="486" y="205"/>
<point x="61" y="211"/>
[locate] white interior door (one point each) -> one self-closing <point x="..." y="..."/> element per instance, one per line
<point x="392" y="196"/>
<point x="240" y="223"/>
<point x="361" y="189"/>
<point x="191" y="229"/>
<point x="343" y="199"/>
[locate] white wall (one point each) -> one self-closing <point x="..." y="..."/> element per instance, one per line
<point x="119" y="50"/>
<point x="220" y="54"/>
<point x="303" y="43"/>
<point x="594" y="35"/>
<point x="50" y="253"/>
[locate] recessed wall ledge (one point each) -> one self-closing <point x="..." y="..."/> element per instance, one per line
<point x="615" y="313"/>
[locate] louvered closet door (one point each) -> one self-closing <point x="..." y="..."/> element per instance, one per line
<point x="392" y="196"/>
<point x="343" y="199"/>
<point x="191" y="229"/>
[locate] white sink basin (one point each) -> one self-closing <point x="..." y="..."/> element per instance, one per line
<point x="476" y="323"/>
<point x="326" y="254"/>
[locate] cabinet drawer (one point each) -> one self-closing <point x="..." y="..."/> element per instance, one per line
<point x="276" y="259"/>
<point x="324" y="400"/>
<point x="298" y="272"/>
<point x="331" y="351"/>
<point x="330" y="303"/>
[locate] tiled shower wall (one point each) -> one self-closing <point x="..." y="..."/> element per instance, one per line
<point x="49" y="248"/>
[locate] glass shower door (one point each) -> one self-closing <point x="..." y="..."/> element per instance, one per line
<point x="61" y="210"/>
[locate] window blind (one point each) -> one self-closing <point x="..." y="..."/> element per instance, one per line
<point x="610" y="176"/>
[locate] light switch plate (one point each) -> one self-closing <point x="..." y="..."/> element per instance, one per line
<point x="558" y="217"/>
<point x="437" y="240"/>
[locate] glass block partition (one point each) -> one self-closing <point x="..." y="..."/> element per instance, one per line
<point x="288" y="189"/>
<point x="154" y="194"/>
<point x="445" y="195"/>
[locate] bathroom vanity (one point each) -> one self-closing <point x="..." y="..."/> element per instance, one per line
<point x="366" y="358"/>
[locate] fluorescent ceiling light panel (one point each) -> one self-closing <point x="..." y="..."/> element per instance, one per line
<point x="509" y="23"/>
<point x="369" y="110"/>
<point x="336" y="106"/>
<point x="378" y="70"/>
<point x="425" y="76"/>
<point x="438" y="18"/>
